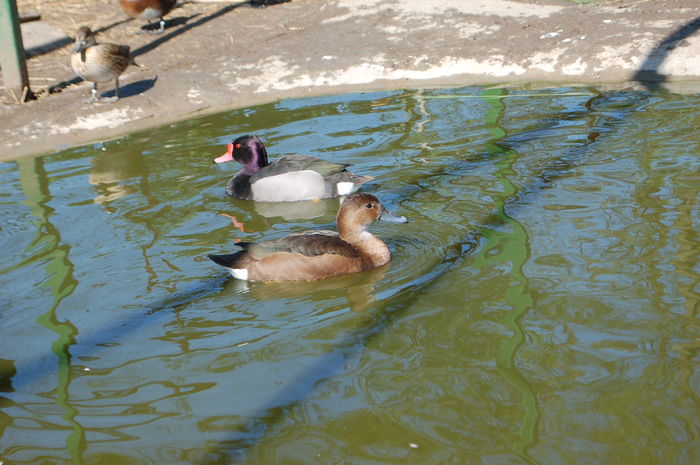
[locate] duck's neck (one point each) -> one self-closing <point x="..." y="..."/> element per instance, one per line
<point x="86" y="43"/>
<point x="258" y="159"/>
<point x="250" y="169"/>
<point x="373" y="249"/>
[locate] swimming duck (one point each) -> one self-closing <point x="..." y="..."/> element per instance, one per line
<point x="312" y="255"/>
<point x="148" y="10"/>
<point x="291" y="178"/>
<point x="98" y="62"/>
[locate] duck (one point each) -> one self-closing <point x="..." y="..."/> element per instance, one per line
<point x="317" y="254"/>
<point x="148" y="10"/>
<point x="289" y="179"/>
<point x="99" y="62"/>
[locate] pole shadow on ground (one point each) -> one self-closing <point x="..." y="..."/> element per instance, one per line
<point x="648" y="73"/>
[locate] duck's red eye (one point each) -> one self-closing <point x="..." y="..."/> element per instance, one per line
<point x="238" y="146"/>
<point x="369" y="205"/>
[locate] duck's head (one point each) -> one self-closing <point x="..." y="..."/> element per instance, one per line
<point x="84" y="38"/>
<point x="249" y="151"/>
<point x="359" y="210"/>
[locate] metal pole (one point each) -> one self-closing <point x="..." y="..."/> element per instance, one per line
<point x="14" y="67"/>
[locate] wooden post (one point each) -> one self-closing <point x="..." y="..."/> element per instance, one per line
<point x="14" y="67"/>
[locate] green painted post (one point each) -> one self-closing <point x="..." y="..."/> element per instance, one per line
<point x="14" y="68"/>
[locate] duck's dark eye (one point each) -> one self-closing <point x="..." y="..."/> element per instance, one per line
<point x="369" y="205"/>
<point x="238" y="146"/>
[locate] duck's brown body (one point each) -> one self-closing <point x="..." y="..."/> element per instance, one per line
<point x="101" y="62"/>
<point x="312" y="255"/>
<point x="96" y="62"/>
<point x="148" y="10"/>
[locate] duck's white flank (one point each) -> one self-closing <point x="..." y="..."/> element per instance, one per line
<point x="239" y="273"/>
<point x="344" y="188"/>
<point x="288" y="187"/>
<point x="150" y="13"/>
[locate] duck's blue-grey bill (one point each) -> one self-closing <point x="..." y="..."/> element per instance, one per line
<point x="392" y="218"/>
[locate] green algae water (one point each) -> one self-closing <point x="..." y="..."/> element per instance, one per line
<point x="541" y="306"/>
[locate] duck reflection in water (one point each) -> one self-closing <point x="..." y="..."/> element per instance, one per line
<point x="356" y="291"/>
<point x="110" y="170"/>
<point x="302" y="210"/>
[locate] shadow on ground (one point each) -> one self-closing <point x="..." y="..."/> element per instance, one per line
<point x="648" y="74"/>
<point x="133" y="88"/>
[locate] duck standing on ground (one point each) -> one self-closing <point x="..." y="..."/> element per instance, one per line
<point x="148" y="10"/>
<point x="291" y="178"/>
<point x="312" y="255"/>
<point x="98" y="62"/>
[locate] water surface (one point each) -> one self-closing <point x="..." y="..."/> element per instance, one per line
<point x="541" y="306"/>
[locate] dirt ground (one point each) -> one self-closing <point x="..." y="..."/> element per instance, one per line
<point x="217" y="55"/>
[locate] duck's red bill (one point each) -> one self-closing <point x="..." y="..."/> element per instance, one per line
<point x="228" y="156"/>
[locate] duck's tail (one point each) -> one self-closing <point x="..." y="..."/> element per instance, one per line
<point x="227" y="260"/>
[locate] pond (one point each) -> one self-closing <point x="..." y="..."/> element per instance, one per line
<point x="541" y="306"/>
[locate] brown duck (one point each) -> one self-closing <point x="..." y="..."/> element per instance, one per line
<point x="148" y="10"/>
<point x="98" y="62"/>
<point x="312" y="255"/>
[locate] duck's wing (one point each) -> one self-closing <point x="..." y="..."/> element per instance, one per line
<point x="307" y="243"/>
<point x="117" y="56"/>
<point x="291" y="163"/>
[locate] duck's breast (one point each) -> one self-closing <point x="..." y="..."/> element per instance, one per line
<point x="146" y="9"/>
<point x="149" y="14"/>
